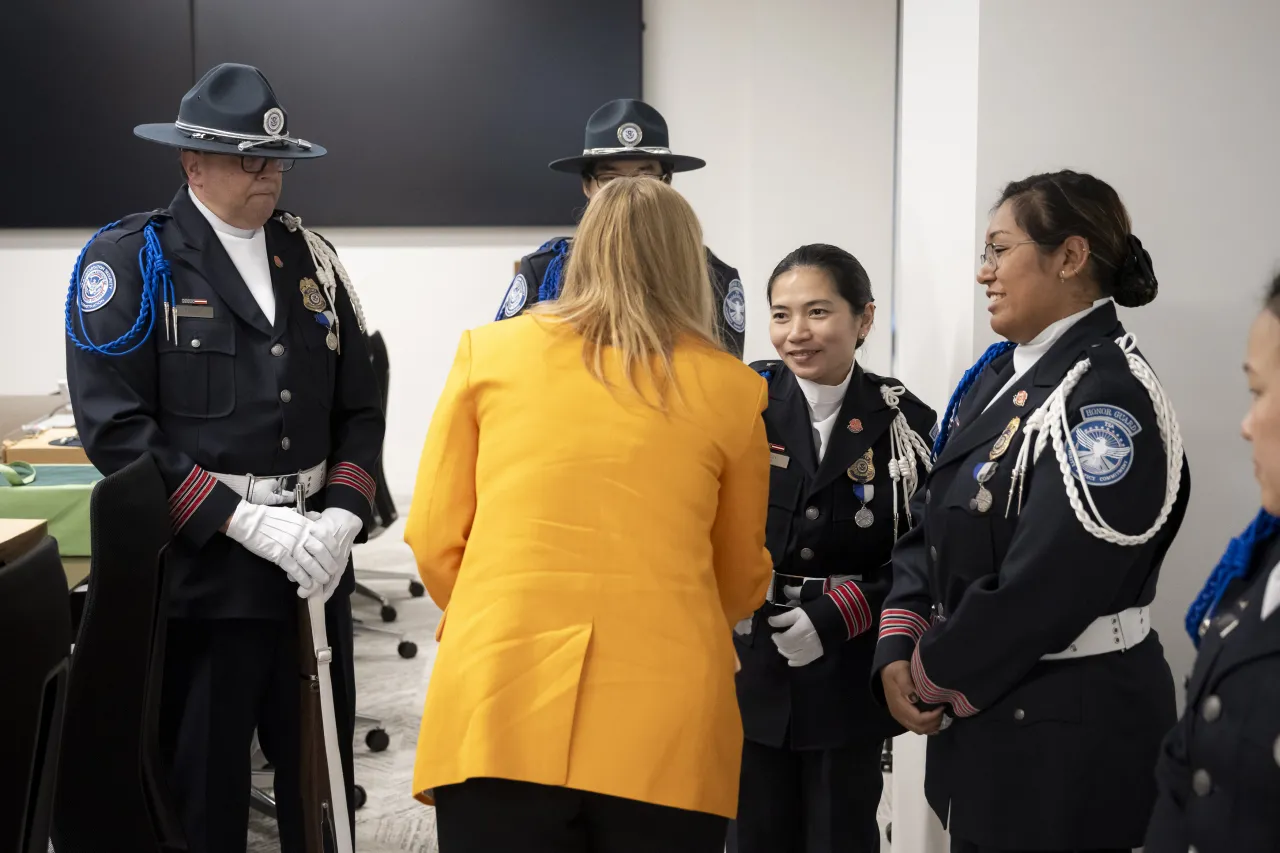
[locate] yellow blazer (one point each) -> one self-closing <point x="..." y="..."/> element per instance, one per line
<point x="592" y="555"/>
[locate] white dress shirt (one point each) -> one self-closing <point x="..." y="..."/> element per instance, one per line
<point x="824" y="406"/>
<point x="248" y="251"/>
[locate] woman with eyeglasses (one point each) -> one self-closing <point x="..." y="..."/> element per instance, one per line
<point x="1219" y="769"/>
<point x="847" y="456"/>
<point x="1058" y="484"/>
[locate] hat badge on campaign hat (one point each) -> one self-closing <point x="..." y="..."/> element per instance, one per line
<point x="627" y="129"/>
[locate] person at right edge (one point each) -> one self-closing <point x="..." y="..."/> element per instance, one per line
<point x="625" y="138"/>
<point x="1018" y="630"/>
<point x="1219" y="770"/>
<point x="847" y="454"/>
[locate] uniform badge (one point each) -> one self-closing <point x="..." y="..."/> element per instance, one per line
<point x="1006" y="437"/>
<point x="273" y="121"/>
<point x="855" y="425"/>
<point x="735" y="307"/>
<point x="1020" y="399"/>
<point x="630" y="134"/>
<point x="311" y="296"/>
<point x="517" y="294"/>
<point x="1103" y="442"/>
<point x="279" y="263"/>
<point x="864" y="470"/>
<point x="97" y="286"/>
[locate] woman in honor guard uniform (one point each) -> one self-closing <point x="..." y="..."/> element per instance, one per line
<point x="625" y="138"/>
<point x="224" y="338"/>
<point x="1018" y="629"/>
<point x="1219" y="769"/>
<point x="847" y="455"/>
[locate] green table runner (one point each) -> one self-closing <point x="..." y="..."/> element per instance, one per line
<point x="59" y="495"/>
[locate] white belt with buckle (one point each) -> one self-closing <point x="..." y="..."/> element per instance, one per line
<point x="1118" y="632"/>
<point x="277" y="490"/>
<point x="776" y="596"/>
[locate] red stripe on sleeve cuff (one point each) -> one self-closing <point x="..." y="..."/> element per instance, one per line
<point x="935" y="695"/>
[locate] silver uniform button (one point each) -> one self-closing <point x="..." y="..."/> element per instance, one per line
<point x="811" y="513"/>
<point x="1211" y="710"/>
<point x="1192" y="849"/>
<point x="277" y="350"/>
<point x="806" y="553"/>
<point x="1019" y="715"/>
<point x="195" y="343"/>
<point x="285" y="395"/>
<point x="285" y="443"/>
<point x="1201" y="783"/>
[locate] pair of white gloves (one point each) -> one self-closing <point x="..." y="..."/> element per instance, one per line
<point x="800" y="643"/>
<point x="313" y="550"/>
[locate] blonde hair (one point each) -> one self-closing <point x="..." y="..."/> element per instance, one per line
<point x="637" y="282"/>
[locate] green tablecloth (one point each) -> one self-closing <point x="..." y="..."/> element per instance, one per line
<point x="60" y="496"/>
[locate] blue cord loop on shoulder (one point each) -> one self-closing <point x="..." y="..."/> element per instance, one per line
<point x="157" y="290"/>
<point x="549" y="287"/>
<point x="1233" y="565"/>
<point x="966" y="382"/>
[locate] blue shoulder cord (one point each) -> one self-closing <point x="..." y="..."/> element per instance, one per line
<point x="1233" y="565"/>
<point x="157" y="288"/>
<point x="966" y="382"/>
<point x="549" y="289"/>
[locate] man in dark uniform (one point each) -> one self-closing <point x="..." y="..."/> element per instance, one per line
<point x="624" y="138"/>
<point x="224" y="338"/>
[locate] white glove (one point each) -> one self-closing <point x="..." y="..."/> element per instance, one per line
<point x="329" y="539"/>
<point x="273" y="533"/>
<point x="800" y="643"/>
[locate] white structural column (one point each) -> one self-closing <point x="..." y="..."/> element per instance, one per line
<point x="934" y="288"/>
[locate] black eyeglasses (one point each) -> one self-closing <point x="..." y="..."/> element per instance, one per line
<point x="255" y="164"/>
<point x="604" y="179"/>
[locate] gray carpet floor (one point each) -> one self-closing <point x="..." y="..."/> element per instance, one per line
<point x="393" y="690"/>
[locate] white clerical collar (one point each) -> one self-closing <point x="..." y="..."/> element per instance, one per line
<point x="1026" y="355"/>
<point x="822" y="396"/>
<point x="218" y="225"/>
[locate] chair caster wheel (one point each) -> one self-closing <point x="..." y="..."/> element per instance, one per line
<point x="361" y="797"/>
<point x="407" y="649"/>
<point x="416" y="589"/>
<point x="388" y="613"/>
<point x="377" y="740"/>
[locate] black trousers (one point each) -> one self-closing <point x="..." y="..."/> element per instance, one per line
<point x="808" y="801"/>
<point x="958" y="846"/>
<point x="223" y="679"/>
<point x="501" y="816"/>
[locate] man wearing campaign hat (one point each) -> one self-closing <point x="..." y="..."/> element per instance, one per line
<point x="625" y="138"/>
<point x="225" y="339"/>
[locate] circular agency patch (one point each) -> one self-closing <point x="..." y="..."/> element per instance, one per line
<point x="97" y="286"/>
<point x="1104" y="443"/>
<point x="735" y="307"/>
<point x="517" y="293"/>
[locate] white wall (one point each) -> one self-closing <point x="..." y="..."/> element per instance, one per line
<point x="1173" y="102"/>
<point x="794" y="115"/>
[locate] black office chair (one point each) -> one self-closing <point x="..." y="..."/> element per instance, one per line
<point x="35" y="636"/>
<point x="112" y="792"/>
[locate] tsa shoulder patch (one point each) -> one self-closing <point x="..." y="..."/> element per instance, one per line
<point x="735" y="307"/>
<point x="97" y="286"/>
<point x="517" y="295"/>
<point x="1104" y="443"/>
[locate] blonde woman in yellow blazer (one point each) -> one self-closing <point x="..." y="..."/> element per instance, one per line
<point x="590" y="513"/>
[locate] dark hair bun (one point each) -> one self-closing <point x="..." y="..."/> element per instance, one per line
<point x="1136" y="280"/>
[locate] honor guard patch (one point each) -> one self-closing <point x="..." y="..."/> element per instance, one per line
<point x="517" y="293"/>
<point x="1103" y="441"/>
<point x="735" y="307"/>
<point x="97" y="286"/>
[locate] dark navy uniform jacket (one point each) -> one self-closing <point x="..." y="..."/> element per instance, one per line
<point x="811" y="533"/>
<point x="1042" y="755"/>
<point x="1219" y="768"/>
<point x="731" y="306"/>
<point x="232" y="395"/>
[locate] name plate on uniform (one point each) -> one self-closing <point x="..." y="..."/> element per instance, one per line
<point x="779" y="460"/>
<point x="204" y="311"/>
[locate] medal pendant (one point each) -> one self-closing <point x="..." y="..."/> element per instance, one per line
<point x="331" y="341"/>
<point x="864" y="518"/>
<point x="982" y="501"/>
